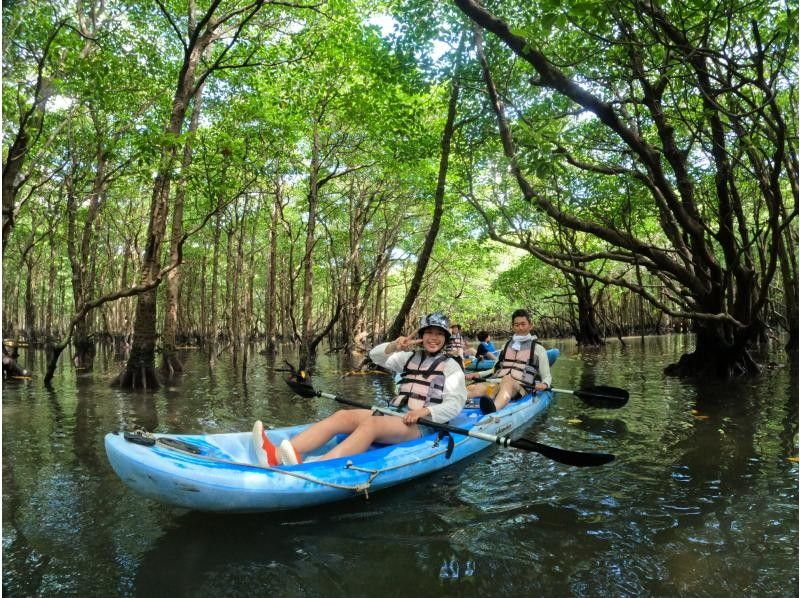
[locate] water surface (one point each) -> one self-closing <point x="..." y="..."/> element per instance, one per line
<point x="701" y="501"/>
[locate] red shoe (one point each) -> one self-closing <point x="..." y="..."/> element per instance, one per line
<point x="266" y="453"/>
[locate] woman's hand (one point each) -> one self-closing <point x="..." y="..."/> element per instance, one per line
<point x="469" y="376"/>
<point x="413" y="417"/>
<point x="403" y="343"/>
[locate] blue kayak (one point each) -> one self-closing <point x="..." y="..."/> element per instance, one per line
<point x="220" y="472"/>
<point x="477" y="365"/>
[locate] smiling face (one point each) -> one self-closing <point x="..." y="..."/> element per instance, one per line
<point x="521" y="326"/>
<point x="433" y="339"/>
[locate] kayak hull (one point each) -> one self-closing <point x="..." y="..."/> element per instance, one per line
<point x="220" y="472"/>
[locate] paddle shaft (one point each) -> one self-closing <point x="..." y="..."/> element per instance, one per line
<point x="566" y="457"/>
<point x="578" y="393"/>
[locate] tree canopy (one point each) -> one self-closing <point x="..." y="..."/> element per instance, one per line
<point x="618" y="168"/>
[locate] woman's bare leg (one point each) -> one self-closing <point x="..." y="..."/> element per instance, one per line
<point x="341" y="422"/>
<point x="388" y="430"/>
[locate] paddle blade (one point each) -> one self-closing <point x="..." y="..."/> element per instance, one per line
<point x="300" y="383"/>
<point x="606" y="397"/>
<point x="574" y="458"/>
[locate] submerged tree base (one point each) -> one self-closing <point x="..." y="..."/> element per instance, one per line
<point x="590" y="340"/>
<point x="84" y="354"/>
<point x="139" y="373"/>
<point x="714" y="364"/>
<point x="171" y="364"/>
<point x="139" y="378"/>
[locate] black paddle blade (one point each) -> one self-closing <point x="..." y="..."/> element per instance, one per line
<point x="564" y="456"/>
<point x="300" y="383"/>
<point x="304" y="389"/>
<point x="606" y="397"/>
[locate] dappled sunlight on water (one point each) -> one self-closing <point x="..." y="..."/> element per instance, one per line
<point x="702" y="499"/>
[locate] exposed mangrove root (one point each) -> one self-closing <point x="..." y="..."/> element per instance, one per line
<point x="171" y="364"/>
<point x="139" y="377"/>
<point x="84" y="354"/>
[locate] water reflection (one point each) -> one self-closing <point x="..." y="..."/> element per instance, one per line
<point x="600" y="426"/>
<point x="702" y="499"/>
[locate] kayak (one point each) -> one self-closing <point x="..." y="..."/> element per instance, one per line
<point x="220" y="472"/>
<point x="473" y="365"/>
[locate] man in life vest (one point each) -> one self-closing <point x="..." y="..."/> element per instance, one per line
<point x="522" y="363"/>
<point x="432" y="386"/>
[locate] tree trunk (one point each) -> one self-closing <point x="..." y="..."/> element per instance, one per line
<point x="788" y="265"/>
<point x="308" y="258"/>
<point x="588" y="331"/>
<point x="213" y="333"/>
<point x="399" y="324"/>
<point x="140" y="368"/>
<point x="30" y="309"/>
<point x="52" y="280"/>
<point x="238" y="299"/>
<point x="30" y="125"/>
<point x="271" y="302"/>
<point x="171" y="363"/>
<point x="203" y="327"/>
<point x="250" y="328"/>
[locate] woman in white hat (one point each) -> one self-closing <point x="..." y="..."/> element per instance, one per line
<point x="431" y="386"/>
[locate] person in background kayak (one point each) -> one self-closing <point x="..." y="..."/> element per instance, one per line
<point x="522" y="362"/>
<point x="486" y="350"/>
<point x="456" y="345"/>
<point x="432" y="386"/>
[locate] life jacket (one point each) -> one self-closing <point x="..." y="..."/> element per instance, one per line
<point x="422" y="379"/>
<point x="456" y="342"/>
<point x="522" y="365"/>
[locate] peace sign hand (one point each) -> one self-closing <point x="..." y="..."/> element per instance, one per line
<point x="406" y="343"/>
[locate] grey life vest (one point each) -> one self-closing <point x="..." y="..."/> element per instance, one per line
<point x="422" y="379"/>
<point x="456" y="342"/>
<point x="522" y="364"/>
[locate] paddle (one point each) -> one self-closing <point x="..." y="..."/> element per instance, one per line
<point x="302" y="386"/>
<point x="605" y="397"/>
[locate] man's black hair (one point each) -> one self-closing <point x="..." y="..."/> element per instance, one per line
<point x="521" y="313"/>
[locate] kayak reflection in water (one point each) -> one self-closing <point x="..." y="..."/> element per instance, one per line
<point x="432" y="386"/>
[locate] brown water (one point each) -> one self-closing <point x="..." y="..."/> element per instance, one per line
<point x="701" y="501"/>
